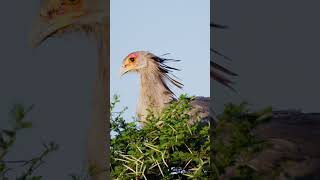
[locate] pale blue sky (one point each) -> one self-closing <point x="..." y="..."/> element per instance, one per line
<point x="179" y="27"/>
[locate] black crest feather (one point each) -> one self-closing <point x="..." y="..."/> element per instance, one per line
<point x="166" y="72"/>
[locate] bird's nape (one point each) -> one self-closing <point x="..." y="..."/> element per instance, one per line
<point x="167" y="70"/>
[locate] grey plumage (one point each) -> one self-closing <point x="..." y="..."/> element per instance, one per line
<point x="156" y="80"/>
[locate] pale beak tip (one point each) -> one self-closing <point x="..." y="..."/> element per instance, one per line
<point x="121" y="72"/>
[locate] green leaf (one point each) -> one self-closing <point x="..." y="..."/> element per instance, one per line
<point x="26" y="125"/>
<point x="37" y="178"/>
<point x="2" y="167"/>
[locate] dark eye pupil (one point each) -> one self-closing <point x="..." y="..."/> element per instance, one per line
<point x="73" y="1"/>
<point x="131" y="59"/>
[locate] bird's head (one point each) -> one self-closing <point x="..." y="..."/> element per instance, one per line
<point x="57" y="16"/>
<point x="135" y="61"/>
<point x="150" y="64"/>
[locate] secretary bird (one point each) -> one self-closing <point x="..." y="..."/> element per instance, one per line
<point x="155" y="81"/>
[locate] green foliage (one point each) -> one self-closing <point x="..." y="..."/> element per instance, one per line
<point x="233" y="144"/>
<point x="167" y="146"/>
<point x="7" y="140"/>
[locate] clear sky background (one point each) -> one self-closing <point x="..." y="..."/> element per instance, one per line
<point x="179" y="27"/>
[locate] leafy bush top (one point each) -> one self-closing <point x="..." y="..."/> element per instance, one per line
<point x="167" y="146"/>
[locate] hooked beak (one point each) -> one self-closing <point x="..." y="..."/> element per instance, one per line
<point x="124" y="70"/>
<point x="43" y="29"/>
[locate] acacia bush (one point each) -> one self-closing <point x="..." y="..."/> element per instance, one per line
<point x="168" y="147"/>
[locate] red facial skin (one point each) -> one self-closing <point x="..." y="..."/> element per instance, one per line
<point x="64" y="8"/>
<point x="132" y="55"/>
<point x="129" y="63"/>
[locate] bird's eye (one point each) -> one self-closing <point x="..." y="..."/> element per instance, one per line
<point x="132" y="59"/>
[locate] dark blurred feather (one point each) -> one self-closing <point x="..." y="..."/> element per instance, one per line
<point x="218" y="72"/>
<point x="222" y="69"/>
<point x="220" y="54"/>
<point x="219" y="26"/>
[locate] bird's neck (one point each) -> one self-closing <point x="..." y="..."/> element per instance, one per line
<point x="154" y="93"/>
